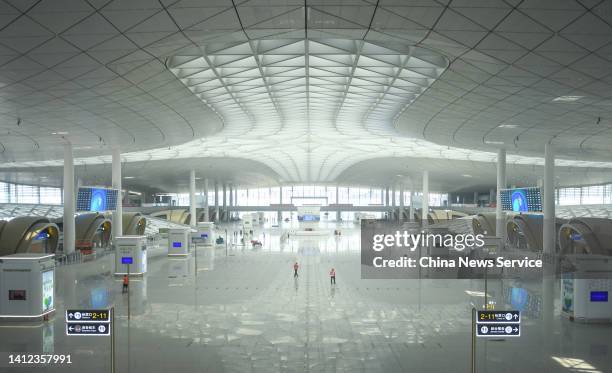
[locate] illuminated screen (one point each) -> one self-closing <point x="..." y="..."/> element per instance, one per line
<point x="176" y="244"/>
<point x="519" y="298"/>
<point x="310" y="218"/>
<point x="96" y="199"/>
<point x="599" y="296"/>
<point x="521" y="199"/>
<point x="47" y="290"/>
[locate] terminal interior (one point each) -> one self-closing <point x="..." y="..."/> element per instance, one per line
<point x="222" y="159"/>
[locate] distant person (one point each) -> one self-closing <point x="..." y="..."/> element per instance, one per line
<point x="126" y="283"/>
<point x="296" y="266"/>
<point x="332" y="276"/>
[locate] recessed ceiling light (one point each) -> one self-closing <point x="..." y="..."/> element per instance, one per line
<point x="466" y="175"/>
<point x="508" y="126"/>
<point x="129" y="177"/>
<point x="490" y="142"/>
<point x="567" y="98"/>
<point x="60" y="133"/>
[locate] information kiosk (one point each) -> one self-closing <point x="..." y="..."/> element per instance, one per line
<point x="585" y="293"/>
<point x="205" y="233"/>
<point x="178" y="241"/>
<point x="131" y="255"/>
<point x="27" y="286"/>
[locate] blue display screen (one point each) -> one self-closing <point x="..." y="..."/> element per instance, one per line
<point x="521" y="199"/>
<point x="177" y="244"/>
<point x="599" y="296"/>
<point x="97" y="199"/>
<point x="42" y="235"/>
<point x="519" y="298"/>
<point x="127" y="260"/>
<point x="204" y="235"/>
<point x="308" y="217"/>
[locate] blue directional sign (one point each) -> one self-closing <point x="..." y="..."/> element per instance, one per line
<point x="491" y="317"/>
<point x="127" y="260"/>
<point x="498" y="330"/>
<point x="88" y="328"/>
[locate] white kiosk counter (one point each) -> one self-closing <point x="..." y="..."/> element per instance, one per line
<point x="131" y="255"/>
<point x="205" y="234"/>
<point x="585" y="293"/>
<point x="178" y="241"/>
<point x="27" y="286"/>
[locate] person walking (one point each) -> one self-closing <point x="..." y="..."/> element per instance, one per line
<point x="332" y="276"/>
<point x="126" y="282"/>
<point x="296" y="266"/>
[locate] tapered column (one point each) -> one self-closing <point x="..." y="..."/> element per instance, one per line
<point x="411" y="217"/>
<point x="500" y="230"/>
<point x="225" y="199"/>
<point x="216" y="201"/>
<point x="393" y="202"/>
<point x="401" y="203"/>
<point x="338" y="214"/>
<point x="279" y="213"/>
<point x="117" y="226"/>
<point x="206" y="204"/>
<point x="231" y="201"/>
<point x="69" y="200"/>
<point x="425" y="203"/>
<point x="193" y="219"/>
<point x="548" y="202"/>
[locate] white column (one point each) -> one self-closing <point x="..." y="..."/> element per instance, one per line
<point x="411" y="217"/>
<point x="69" y="200"/>
<point x="548" y="201"/>
<point x="206" y="206"/>
<point x="491" y="195"/>
<point x="401" y="203"/>
<point x="425" y="203"/>
<point x="393" y="202"/>
<point x="217" y="201"/>
<point x="500" y="229"/>
<point x="338" y="202"/>
<point x="225" y="199"/>
<point x="279" y="213"/>
<point x="193" y="219"/>
<point x="476" y="198"/>
<point x="117" y="226"/>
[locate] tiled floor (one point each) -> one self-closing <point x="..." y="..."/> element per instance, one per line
<point x="245" y="312"/>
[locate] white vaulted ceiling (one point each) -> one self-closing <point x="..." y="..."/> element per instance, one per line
<point x="308" y="88"/>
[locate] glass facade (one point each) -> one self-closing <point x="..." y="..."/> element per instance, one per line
<point x="310" y="194"/>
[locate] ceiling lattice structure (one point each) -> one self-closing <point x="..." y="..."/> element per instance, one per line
<point x="101" y="74"/>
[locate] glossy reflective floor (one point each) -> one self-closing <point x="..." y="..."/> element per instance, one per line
<point x="242" y="310"/>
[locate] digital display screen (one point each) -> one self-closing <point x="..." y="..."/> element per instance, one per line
<point x="177" y="244"/>
<point x="521" y="199"/>
<point x="17" y="295"/>
<point x="308" y="217"/>
<point x="599" y="296"/>
<point x="519" y="298"/>
<point x="47" y="290"/>
<point x="42" y="235"/>
<point x="97" y="199"/>
<point x="127" y="260"/>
